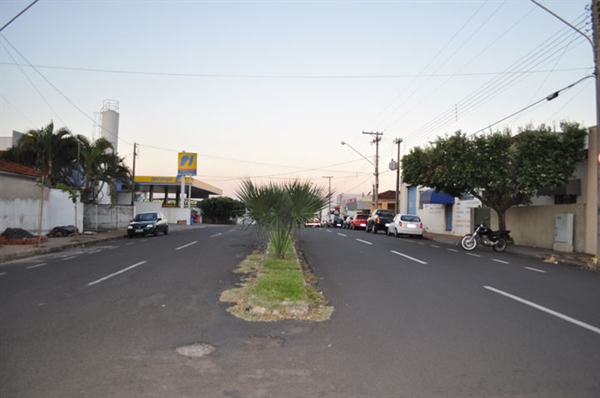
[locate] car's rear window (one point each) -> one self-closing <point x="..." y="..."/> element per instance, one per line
<point x="387" y="213"/>
<point x="362" y="216"/>
<point x="410" y="218"/>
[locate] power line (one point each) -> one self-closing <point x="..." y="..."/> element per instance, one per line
<point x="233" y="76"/>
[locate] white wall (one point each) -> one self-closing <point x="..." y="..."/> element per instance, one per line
<point x="20" y="200"/>
<point x="173" y="214"/>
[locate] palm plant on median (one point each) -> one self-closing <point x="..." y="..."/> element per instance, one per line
<point x="280" y="209"/>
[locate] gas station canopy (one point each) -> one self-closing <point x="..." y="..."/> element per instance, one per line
<point x="196" y="189"/>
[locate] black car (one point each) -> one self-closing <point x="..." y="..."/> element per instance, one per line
<point x="151" y="222"/>
<point x="379" y="220"/>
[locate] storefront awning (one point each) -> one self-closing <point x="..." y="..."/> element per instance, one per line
<point x="430" y="196"/>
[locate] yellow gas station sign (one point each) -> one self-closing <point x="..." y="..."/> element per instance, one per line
<point x="187" y="163"/>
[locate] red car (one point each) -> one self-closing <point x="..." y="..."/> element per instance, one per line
<point x="359" y="222"/>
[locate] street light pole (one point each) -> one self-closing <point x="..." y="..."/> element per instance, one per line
<point x="376" y="171"/>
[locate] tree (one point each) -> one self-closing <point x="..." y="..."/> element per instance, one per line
<point x="221" y="209"/>
<point x="281" y="209"/>
<point x="99" y="166"/>
<point x="52" y="153"/>
<point x="499" y="169"/>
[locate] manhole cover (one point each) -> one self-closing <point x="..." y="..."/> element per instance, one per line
<point x="196" y="350"/>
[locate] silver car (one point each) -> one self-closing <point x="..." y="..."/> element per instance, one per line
<point x="406" y="224"/>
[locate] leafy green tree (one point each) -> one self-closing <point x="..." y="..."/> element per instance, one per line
<point x="281" y="209"/>
<point x="221" y="209"/>
<point x="499" y="169"/>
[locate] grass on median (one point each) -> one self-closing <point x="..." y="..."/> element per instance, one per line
<point x="275" y="289"/>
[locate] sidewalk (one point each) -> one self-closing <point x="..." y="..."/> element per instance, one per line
<point x="53" y="245"/>
<point x="581" y="260"/>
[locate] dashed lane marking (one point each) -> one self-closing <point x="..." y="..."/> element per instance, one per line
<point x="364" y="241"/>
<point x="546" y="310"/>
<point x="473" y="254"/>
<point x="342" y="235"/>
<point x="409" y="257"/>
<point x="189" y="244"/>
<point x="116" y="273"/>
<point x="500" y="261"/>
<point x="452" y="250"/>
<point x="536" y="270"/>
<point x="35" y="266"/>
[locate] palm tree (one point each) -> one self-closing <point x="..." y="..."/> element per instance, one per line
<point x="50" y="153"/>
<point x="100" y="166"/>
<point x="281" y="209"/>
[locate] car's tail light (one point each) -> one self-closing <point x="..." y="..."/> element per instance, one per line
<point x="378" y="220"/>
<point x="399" y="223"/>
<point x="421" y="225"/>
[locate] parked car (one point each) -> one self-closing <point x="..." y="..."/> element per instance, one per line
<point x="406" y="224"/>
<point x="338" y="222"/>
<point x="359" y="222"/>
<point x="379" y="220"/>
<point x="313" y="222"/>
<point x="347" y="222"/>
<point x="151" y="222"/>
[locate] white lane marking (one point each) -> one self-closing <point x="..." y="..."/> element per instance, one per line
<point x="500" y="261"/>
<point x="473" y="254"/>
<point x="69" y="258"/>
<point x="116" y="273"/>
<point x="2" y="273"/>
<point x="437" y="247"/>
<point x="364" y="241"/>
<point x="189" y="244"/>
<point x="420" y="243"/>
<point x="536" y="270"/>
<point x="452" y="250"/>
<point x="130" y="243"/>
<point x="342" y="234"/>
<point x="35" y="266"/>
<point x="215" y="235"/>
<point x="328" y="230"/>
<point x="409" y="257"/>
<point x="547" y="310"/>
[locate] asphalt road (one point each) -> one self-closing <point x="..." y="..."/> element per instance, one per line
<point x="412" y="318"/>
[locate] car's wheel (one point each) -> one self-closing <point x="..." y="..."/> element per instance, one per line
<point x="155" y="233"/>
<point x="395" y="233"/>
<point x="374" y="228"/>
<point x="166" y="230"/>
<point x="367" y="228"/>
<point x="130" y="236"/>
<point x="387" y="231"/>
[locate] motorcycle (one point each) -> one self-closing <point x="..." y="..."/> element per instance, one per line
<point x="497" y="239"/>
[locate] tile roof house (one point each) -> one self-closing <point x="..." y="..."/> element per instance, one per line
<point x="6" y="166"/>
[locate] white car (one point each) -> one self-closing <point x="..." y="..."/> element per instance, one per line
<point x="406" y="224"/>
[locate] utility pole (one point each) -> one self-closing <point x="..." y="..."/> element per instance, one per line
<point x="592" y="242"/>
<point x="133" y="173"/>
<point x="375" y="141"/>
<point x="329" y="197"/>
<point x="398" y="141"/>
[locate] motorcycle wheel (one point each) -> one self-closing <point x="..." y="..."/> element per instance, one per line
<point x="500" y="245"/>
<point x="468" y="243"/>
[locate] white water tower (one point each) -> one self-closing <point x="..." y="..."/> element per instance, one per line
<point x="110" y="122"/>
<point x="110" y="131"/>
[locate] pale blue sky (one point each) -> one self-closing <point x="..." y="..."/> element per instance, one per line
<point x="270" y="88"/>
